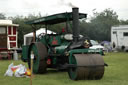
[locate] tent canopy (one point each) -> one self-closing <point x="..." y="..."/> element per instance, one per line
<point x="28" y="37"/>
<point x="41" y="30"/>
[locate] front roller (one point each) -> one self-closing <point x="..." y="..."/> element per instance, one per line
<point x="87" y="66"/>
<point x="40" y="52"/>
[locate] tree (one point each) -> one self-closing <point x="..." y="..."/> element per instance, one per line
<point x="101" y="24"/>
<point x="124" y="22"/>
<point x="23" y="28"/>
<point x="2" y="16"/>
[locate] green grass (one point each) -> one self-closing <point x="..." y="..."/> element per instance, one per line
<point x="115" y="74"/>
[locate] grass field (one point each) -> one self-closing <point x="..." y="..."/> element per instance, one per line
<point x="115" y="74"/>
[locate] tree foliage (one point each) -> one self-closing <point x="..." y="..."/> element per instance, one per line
<point x="100" y="24"/>
<point x="124" y="22"/>
<point x="2" y="16"/>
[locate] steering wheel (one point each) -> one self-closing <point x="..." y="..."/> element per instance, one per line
<point x="40" y="35"/>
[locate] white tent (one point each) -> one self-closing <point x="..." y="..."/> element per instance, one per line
<point x="28" y="37"/>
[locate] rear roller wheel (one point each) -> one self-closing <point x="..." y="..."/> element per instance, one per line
<point x="88" y="66"/>
<point x="39" y="62"/>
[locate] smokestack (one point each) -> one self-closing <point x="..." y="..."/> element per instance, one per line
<point x="75" y="29"/>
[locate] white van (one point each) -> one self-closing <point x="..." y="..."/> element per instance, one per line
<point x="119" y="37"/>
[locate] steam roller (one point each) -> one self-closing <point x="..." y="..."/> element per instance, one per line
<point x="65" y="50"/>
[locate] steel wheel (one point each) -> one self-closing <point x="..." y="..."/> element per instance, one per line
<point x="39" y="62"/>
<point x="88" y="66"/>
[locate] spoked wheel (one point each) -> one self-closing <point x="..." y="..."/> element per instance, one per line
<point x="88" y="66"/>
<point x="39" y="62"/>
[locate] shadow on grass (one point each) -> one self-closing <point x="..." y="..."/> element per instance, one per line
<point x="55" y="71"/>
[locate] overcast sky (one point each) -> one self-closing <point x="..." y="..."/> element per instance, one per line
<point x="48" y="7"/>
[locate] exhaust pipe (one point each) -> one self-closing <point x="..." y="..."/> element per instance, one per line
<point x="75" y="15"/>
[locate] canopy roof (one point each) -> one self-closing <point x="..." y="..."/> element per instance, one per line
<point x="56" y="18"/>
<point x="7" y="23"/>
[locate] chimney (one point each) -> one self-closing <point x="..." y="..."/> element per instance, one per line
<point x="75" y="29"/>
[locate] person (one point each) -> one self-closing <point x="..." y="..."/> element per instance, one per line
<point x="114" y="45"/>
